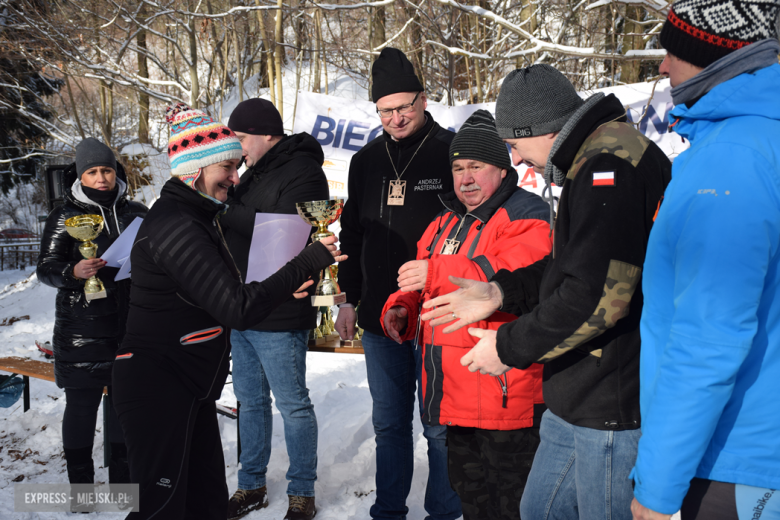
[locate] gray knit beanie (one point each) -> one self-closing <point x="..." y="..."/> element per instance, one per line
<point x="90" y="153"/>
<point x="536" y="100"/>
<point x="477" y="139"/>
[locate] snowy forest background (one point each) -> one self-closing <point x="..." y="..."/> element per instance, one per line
<point x="71" y="69"/>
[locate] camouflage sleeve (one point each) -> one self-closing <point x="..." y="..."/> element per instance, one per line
<point x="598" y="265"/>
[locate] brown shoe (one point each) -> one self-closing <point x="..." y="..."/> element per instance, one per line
<point x="244" y="501"/>
<point x="301" y="508"/>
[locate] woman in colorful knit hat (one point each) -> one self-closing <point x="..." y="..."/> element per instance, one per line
<point x="187" y="294"/>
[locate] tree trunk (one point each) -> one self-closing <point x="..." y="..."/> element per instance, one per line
<point x="194" y="82"/>
<point x="143" y="98"/>
<point x="267" y="53"/>
<point x="239" y="68"/>
<point x="278" y="60"/>
<point x="632" y="40"/>
<point x="315" y="84"/>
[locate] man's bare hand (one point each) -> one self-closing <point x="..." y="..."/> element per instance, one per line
<point x="395" y="320"/>
<point x="345" y="322"/>
<point x="640" y="512"/>
<point x="483" y="356"/>
<point x="301" y="292"/>
<point x="330" y="243"/>
<point x="413" y="275"/>
<point x="474" y="301"/>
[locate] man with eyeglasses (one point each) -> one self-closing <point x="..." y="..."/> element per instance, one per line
<point x="394" y="187"/>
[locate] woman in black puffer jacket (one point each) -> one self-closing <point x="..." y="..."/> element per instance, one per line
<point x="187" y="295"/>
<point x="87" y="334"/>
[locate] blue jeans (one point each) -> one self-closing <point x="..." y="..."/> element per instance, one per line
<point x="265" y="361"/>
<point x="580" y="473"/>
<point x="393" y="372"/>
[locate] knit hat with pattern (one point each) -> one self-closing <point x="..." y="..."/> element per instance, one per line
<point x="536" y="100"/>
<point x="703" y="31"/>
<point x="478" y="139"/>
<point x="197" y="141"/>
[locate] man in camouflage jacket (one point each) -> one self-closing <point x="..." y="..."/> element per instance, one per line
<point x="580" y="306"/>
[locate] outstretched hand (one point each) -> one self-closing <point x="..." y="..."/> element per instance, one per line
<point x="330" y="243"/>
<point x="474" y="301"/>
<point x="395" y="320"/>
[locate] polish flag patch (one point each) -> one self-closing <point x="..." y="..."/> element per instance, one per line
<point x="603" y="178"/>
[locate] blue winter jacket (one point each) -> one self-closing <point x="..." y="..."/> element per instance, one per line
<point x="710" y="359"/>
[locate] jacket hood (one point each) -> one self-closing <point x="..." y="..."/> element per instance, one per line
<point x="288" y="148"/>
<point x="745" y="95"/>
<point x="485" y="210"/>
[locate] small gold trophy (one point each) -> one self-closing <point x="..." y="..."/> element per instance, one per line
<point x="322" y="213"/>
<point x="84" y="228"/>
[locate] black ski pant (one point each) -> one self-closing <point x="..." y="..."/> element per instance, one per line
<point x="489" y="468"/>
<point x="173" y="445"/>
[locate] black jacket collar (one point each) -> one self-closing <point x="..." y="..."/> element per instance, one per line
<point x="607" y="110"/>
<point x="487" y="209"/>
<point x="180" y="193"/>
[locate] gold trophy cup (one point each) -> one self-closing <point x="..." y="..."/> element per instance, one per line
<point x="85" y="228"/>
<point x="322" y="213"/>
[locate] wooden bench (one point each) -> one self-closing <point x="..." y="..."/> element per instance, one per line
<point x="28" y="368"/>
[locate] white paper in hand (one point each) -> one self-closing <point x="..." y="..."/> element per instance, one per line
<point x="277" y="239"/>
<point x="120" y="249"/>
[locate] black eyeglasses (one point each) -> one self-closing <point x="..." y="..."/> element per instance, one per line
<point x="403" y="109"/>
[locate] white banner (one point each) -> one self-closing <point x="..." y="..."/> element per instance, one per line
<point x="344" y="126"/>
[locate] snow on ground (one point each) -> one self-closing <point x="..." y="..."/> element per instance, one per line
<point x="31" y="443"/>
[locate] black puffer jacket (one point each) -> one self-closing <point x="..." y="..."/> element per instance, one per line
<point x="86" y="334"/>
<point x="187" y="293"/>
<point x="289" y="172"/>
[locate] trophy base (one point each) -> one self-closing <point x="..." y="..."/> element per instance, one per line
<point x="328" y="300"/>
<point x="96" y="295"/>
<point x="351" y="343"/>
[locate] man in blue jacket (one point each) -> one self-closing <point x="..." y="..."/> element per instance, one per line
<point x="710" y="358"/>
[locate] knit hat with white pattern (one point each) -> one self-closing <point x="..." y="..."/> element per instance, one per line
<point x="703" y="31"/>
<point x="197" y="141"/>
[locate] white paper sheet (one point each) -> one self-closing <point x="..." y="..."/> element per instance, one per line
<point x="277" y="239"/>
<point x="118" y="255"/>
<point x="120" y="249"/>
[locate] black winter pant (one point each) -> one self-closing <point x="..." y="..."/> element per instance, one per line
<point x="80" y="417"/>
<point x="489" y="468"/>
<point x="173" y="444"/>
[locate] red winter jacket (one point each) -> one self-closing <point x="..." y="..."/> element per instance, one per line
<point x="508" y="231"/>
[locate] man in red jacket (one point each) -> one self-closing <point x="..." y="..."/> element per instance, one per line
<point x="488" y="224"/>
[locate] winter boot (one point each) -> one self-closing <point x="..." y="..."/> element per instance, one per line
<point x="81" y="470"/>
<point x="301" y="508"/>
<point x="118" y="470"/>
<point x="245" y="501"/>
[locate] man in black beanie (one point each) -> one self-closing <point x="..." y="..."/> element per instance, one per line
<point x="271" y="356"/>
<point x="394" y="184"/>
<point x="578" y="308"/>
